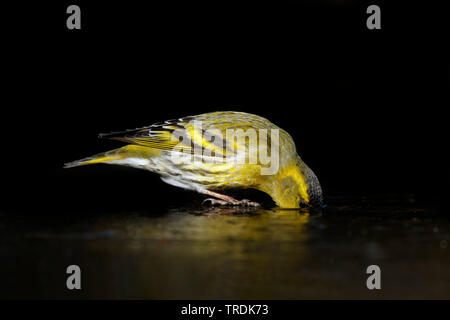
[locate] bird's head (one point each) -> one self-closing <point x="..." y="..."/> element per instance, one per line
<point x="314" y="189"/>
<point x="296" y="186"/>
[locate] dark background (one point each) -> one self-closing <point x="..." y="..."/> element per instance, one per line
<point x="365" y="107"/>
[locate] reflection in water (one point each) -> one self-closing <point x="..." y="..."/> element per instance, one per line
<point x="229" y="253"/>
<point x="211" y="253"/>
<point x="221" y="224"/>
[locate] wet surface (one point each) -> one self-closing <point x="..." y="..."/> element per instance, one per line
<point x="228" y="253"/>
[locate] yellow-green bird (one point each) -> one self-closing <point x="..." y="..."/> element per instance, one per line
<point x="216" y="151"/>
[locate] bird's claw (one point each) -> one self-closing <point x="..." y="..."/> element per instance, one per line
<point x="215" y="202"/>
<point x="248" y="203"/>
<point x="243" y="203"/>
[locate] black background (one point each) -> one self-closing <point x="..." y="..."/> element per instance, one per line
<point x="365" y="107"/>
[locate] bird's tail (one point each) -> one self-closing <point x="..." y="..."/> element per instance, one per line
<point x="103" y="157"/>
<point x="128" y="151"/>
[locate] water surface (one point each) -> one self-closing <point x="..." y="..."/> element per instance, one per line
<point x="229" y="253"/>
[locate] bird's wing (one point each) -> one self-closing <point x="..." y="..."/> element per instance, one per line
<point x="182" y="135"/>
<point x="161" y="135"/>
<point x="205" y="133"/>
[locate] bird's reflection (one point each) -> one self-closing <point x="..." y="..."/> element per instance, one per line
<point x="226" y="252"/>
<point x="213" y="252"/>
<point x="218" y="223"/>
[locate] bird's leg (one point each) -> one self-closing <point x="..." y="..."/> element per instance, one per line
<point x="227" y="200"/>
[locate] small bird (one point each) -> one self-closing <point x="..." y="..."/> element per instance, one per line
<point x="216" y="151"/>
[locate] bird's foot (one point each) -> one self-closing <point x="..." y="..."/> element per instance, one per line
<point x="215" y="202"/>
<point x="242" y="203"/>
<point x="224" y="200"/>
<point x="247" y="203"/>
